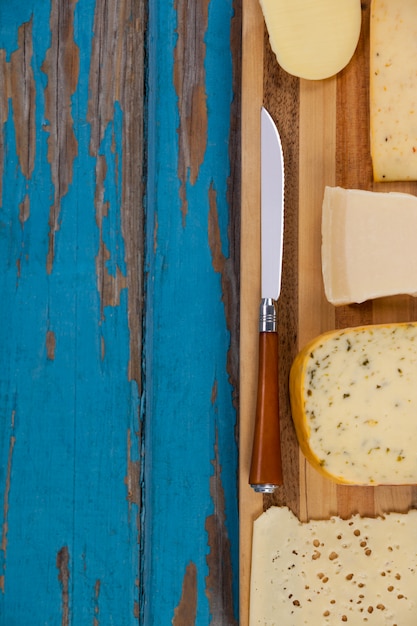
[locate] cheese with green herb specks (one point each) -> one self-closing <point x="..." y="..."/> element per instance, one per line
<point x="359" y="571"/>
<point x="354" y="404"/>
<point x="393" y="89"/>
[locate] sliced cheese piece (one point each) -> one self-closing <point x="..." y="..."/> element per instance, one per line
<point x="354" y="404"/>
<point x="313" y="39"/>
<point x="393" y="89"/>
<point x="369" y="244"/>
<point x="360" y="571"/>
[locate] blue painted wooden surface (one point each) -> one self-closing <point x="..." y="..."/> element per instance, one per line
<point x="69" y="410"/>
<point x="191" y="540"/>
<point x="118" y="465"/>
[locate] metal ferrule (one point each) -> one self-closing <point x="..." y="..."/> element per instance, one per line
<point x="267" y="488"/>
<point x="267" y="316"/>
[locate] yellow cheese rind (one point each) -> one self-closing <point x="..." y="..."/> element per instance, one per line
<point x="313" y="39"/>
<point x="359" y="571"/>
<point x="393" y="89"/>
<point x="369" y="244"/>
<point x="354" y="404"/>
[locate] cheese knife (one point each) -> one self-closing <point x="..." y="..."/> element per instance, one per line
<point x="266" y="467"/>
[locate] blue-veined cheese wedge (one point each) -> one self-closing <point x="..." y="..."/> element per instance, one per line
<point x="313" y="39"/>
<point x="354" y="404"/>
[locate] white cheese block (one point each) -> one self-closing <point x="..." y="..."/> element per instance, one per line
<point x="359" y="571"/>
<point x="369" y="244"/>
<point x="313" y="39"/>
<point x="393" y="89"/>
<point x="354" y="404"/>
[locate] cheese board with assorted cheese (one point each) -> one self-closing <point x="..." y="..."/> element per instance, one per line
<point x="330" y="130"/>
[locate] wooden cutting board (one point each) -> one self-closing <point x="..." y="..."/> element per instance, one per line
<point x="324" y="127"/>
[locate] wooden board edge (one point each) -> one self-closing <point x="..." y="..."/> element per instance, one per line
<point x="250" y="503"/>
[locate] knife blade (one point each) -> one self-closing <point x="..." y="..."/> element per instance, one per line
<point x="266" y="466"/>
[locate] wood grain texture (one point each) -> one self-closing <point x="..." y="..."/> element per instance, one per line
<point x="191" y="332"/>
<point x="250" y="504"/>
<point x="71" y="256"/>
<point x="324" y="126"/>
<point x="119" y="374"/>
<point x="266" y="463"/>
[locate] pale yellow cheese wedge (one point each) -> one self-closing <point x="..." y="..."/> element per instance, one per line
<point x="359" y="571"/>
<point x="354" y="404"/>
<point x="369" y="244"/>
<point x="313" y="39"/>
<point x="393" y="89"/>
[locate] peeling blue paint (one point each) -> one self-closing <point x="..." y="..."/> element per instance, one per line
<point x="73" y="411"/>
<point x="187" y="337"/>
<point x="70" y="418"/>
<point x="111" y="148"/>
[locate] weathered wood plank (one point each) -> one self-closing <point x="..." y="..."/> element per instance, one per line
<point x="71" y="254"/>
<point x="191" y="538"/>
<point x="118" y="465"/>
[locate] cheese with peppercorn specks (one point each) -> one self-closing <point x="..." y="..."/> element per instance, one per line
<point x="359" y="571"/>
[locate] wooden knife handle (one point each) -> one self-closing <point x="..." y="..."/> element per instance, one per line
<point x="266" y="467"/>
